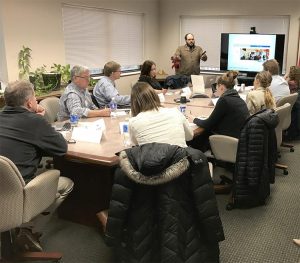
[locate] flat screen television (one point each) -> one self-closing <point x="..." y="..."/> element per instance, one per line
<point x="247" y="52"/>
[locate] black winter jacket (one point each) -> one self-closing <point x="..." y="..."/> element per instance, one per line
<point x="163" y="207"/>
<point x="256" y="157"/>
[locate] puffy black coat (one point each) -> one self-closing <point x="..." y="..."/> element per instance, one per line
<point x="163" y="207"/>
<point x="256" y="157"/>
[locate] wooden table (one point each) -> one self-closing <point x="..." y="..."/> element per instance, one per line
<point x="91" y="166"/>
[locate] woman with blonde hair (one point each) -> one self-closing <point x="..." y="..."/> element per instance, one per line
<point x="261" y="97"/>
<point x="151" y="122"/>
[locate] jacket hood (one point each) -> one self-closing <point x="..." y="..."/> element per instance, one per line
<point x="270" y="117"/>
<point x="154" y="163"/>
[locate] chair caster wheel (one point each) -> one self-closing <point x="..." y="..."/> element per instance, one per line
<point x="292" y="150"/>
<point x="229" y="206"/>
<point x="285" y="172"/>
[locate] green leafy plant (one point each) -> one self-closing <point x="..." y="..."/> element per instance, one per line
<point x="65" y="71"/>
<point x="24" y="58"/>
<point x="36" y="79"/>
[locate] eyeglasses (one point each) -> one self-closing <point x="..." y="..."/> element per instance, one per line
<point x="84" y="77"/>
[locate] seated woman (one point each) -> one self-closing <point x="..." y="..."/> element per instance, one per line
<point x="227" y="117"/>
<point x="151" y="122"/>
<point x="148" y="74"/>
<point x="261" y="97"/>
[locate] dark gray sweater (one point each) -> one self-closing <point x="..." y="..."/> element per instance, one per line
<point x="25" y="137"/>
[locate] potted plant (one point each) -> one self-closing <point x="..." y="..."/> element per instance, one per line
<point x="65" y="72"/>
<point x="24" y="58"/>
<point x="36" y="79"/>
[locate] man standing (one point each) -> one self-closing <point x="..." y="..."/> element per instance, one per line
<point x="25" y="137"/>
<point x="106" y="89"/>
<point x="76" y="99"/>
<point x="279" y="86"/>
<point x="189" y="57"/>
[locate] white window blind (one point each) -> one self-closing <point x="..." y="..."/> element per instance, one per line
<point x="207" y="32"/>
<point x="95" y="36"/>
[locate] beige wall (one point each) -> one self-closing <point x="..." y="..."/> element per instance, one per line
<point x="170" y="11"/>
<point x="38" y="25"/>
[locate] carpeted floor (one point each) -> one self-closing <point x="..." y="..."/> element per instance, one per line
<point x="262" y="234"/>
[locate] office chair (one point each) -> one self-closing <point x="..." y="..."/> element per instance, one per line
<point x="95" y="100"/>
<point x="51" y="105"/>
<point x="19" y="203"/>
<point x="284" y="115"/>
<point x="291" y="99"/>
<point x="223" y="149"/>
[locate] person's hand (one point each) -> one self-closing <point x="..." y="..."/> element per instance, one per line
<point x="40" y="110"/>
<point x="204" y="57"/>
<point x="105" y="112"/>
<point x="198" y="131"/>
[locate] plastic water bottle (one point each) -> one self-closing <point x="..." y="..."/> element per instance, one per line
<point x="113" y="108"/>
<point x="182" y="106"/>
<point x="126" y="137"/>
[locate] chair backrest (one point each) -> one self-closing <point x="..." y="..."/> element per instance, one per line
<point x="291" y="99"/>
<point x="284" y="116"/>
<point x="11" y="195"/>
<point x="224" y="147"/>
<point x="51" y="105"/>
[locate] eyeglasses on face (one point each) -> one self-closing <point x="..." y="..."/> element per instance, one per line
<point x="84" y="77"/>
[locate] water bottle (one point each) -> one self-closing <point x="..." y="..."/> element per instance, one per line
<point x="182" y="106"/>
<point x="113" y="108"/>
<point x="126" y="137"/>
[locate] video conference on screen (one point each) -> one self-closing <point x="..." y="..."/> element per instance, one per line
<point x="247" y="52"/>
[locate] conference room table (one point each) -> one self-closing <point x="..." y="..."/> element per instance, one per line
<point x="91" y="165"/>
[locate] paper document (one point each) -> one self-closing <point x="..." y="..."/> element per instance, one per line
<point x="198" y="84"/>
<point x="89" y="131"/>
<point x="87" y="134"/>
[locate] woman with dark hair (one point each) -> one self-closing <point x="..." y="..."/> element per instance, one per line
<point x="148" y="74"/>
<point x="228" y="115"/>
<point x="261" y="97"/>
<point x="151" y="122"/>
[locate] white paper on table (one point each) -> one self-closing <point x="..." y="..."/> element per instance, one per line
<point x="98" y="124"/>
<point x="87" y="134"/>
<point x="248" y="88"/>
<point x="243" y="96"/>
<point x="120" y="113"/>
<point x="121" y="123"/>
<point x="193" y="125"/>
<point x="214" y="101"/>
<point x="161" y="97"/>
<point x="187" y="91"/>
<point x="202" y="117"/>
<point x="237" y="88"/>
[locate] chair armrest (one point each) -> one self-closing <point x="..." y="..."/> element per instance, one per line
<point x="40" y="193"/>
<point x="224" y="147"/>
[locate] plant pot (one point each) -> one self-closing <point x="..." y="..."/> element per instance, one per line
<point x="52" y="80"/>
<point x="32" y="80"/>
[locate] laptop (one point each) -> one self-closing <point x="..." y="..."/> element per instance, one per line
<point x="198" y="87"/>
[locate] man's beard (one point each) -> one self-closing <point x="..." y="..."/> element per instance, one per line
<point x="191" y="46"/>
